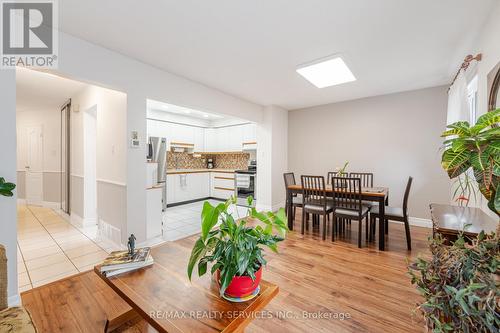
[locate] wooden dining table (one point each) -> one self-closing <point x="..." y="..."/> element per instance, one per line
<point x="373" y="194"/>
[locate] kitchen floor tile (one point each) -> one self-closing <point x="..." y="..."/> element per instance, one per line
<point x="47" y="272"/>
<point x="89" y="259"/>
<point x="23" y="279"/>
<point x="82" y="250"/>
<point x="46" y="261"/>
<point x="42" y="252"/>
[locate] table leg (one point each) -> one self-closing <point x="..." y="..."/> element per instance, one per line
<point x="289" y="213"/>
<point x="381" y="225"/>
<point x="114" y="323"/>
<point x="386" y="220"/>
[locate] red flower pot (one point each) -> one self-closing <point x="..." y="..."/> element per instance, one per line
<point x="242" y="286"/>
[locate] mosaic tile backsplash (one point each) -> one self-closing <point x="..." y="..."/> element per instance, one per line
<point x="222" y="161"/>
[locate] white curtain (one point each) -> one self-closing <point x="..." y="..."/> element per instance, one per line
<point x="458" y="106"/>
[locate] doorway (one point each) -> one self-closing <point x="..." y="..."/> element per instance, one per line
<point x="65" y="157"/>
<point x="34" y="164"/>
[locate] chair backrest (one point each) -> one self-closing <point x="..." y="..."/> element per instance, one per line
<point x="347" y="193"/>
<point x="289" y="179"/>
<point x="407" y="194"/>
<point x="335" y="174"/>
<point x="366" y="178"/>
<point x="313" y="190"/>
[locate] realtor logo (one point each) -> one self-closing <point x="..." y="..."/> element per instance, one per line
<point x="29" y="33"/>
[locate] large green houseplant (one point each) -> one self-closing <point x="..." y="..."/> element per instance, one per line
<point x="478" y="148"/>
<point x="6" y="188"/>
<point x="460" y="285"/>
<point x="234" y="248"/>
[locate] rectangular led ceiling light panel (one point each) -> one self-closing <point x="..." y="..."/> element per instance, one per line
<point x="326" y="73"/>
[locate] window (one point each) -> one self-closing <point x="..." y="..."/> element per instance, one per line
<point x="472" y="100"/>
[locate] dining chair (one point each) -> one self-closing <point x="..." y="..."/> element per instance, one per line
<point x="335" y="174"/>
<point x="365" y="177"/>
<point x="348" y="204"/>
<point x="315" y="200"/>
<point x="297" y="201"/>
<point x="394" y="214"/>
<point x="366" y="181"/>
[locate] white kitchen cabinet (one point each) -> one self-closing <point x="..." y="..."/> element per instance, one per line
<point x="199" y="139"/>
<point x="182" y="133"/>
<point x="222" y="185"/>
<point x="187" y="186"/>
<point x="210" y="140"/>
<point x="249" y="132"/>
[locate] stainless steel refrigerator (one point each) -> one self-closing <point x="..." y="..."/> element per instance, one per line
<point x="158" y="151"/>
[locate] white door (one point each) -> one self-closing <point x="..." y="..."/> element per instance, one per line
<point x="34" y="165"/>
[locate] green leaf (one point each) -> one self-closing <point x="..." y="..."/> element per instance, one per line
<point x="196" y="253"/>
<point x="209" y="217"/>
<point x="489" y="118"/>
<point x="455" y="162"/>
<point x="460" y="128"/>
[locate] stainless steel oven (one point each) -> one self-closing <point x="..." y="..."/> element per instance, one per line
<point x="246" y="183"/>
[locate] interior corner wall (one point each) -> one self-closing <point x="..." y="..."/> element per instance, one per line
<point x="111" y="155"/>
<point x="272" y="158"/>
<point x="394" y="136"/>
<point x="8" y="205"/>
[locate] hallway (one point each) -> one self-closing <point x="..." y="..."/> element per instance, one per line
<point x="50" y="248"/>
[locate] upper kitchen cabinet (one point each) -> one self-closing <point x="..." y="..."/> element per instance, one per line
<point x="199" y="140"/>
<point x="249" y="132"/>
<point x="183" y="133"/>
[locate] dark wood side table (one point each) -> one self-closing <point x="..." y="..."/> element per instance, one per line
<point x="449" y="221"/>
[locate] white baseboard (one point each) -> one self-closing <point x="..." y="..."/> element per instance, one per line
<point x="81" y="222"/>
<point x="420" y="222"/>
<point x="109" y="233"/>
<point x="14" y="300"/>
<point x="272" y="208"/>
<point x="51" y="205"/>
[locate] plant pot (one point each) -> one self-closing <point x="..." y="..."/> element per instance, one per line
<point x="242" y="286"/>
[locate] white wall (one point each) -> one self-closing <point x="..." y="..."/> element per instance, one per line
<point x="111" y="165"/>
<point x="272" y="160"/>
<point x="8" y="210"/>
<point x="50" y="120"/>
<point x="87" y="62"/>
<point x="394" y="136"/>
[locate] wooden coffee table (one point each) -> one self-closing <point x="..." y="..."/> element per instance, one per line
<point x="449" y="221"/>
<point x="163" y="295"/>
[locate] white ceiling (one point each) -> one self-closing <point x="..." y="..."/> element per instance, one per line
<point x="42" y="91"/>
<point x="181" y="110"/>
<point x="250" y="49"/>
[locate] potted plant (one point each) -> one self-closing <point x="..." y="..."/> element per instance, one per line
<point x="6" y="188"/>
<point x="235" y="249"/>
<point x="478" y="148"/>
<point x="460" y="285"/>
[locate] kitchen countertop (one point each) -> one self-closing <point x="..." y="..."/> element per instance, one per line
<point x="181" y="171"/>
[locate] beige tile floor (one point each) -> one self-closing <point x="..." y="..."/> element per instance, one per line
<point x="50" y="248"/>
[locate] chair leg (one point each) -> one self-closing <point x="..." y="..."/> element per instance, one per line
<point x="294" y="212"/>
<point x="408" y="236"/>
<point x="386" y="226"/>
<point x="307" y="221"/>
<point x="303" y="220"/>
<point x="334" y="227"/>
<point x="324" y="225"/>
<point x="366" y="227"/>
<point x="360" y="226"/>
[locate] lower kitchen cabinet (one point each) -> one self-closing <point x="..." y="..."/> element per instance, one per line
<point x="222" y="185"/>
<point x="192" y="186"/>
<point x="187" y="186"/>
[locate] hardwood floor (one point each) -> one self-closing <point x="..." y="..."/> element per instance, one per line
<point x="316" y="278"/>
